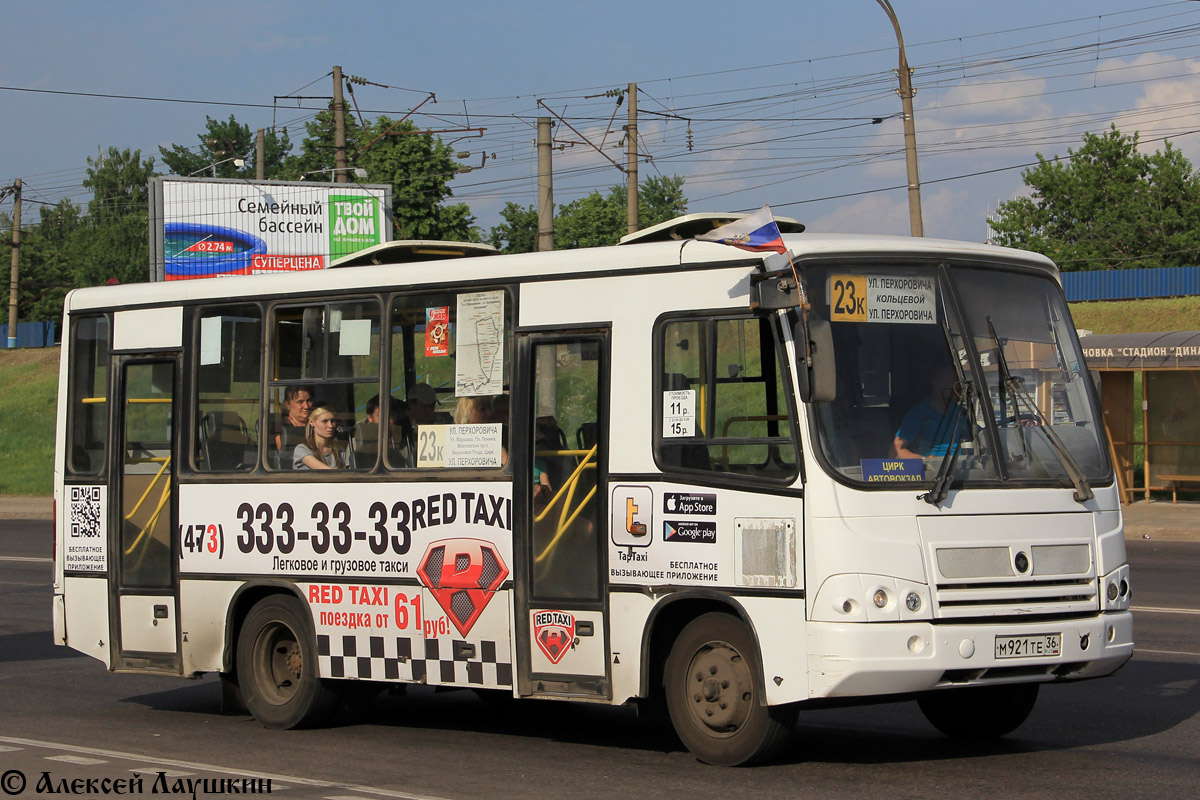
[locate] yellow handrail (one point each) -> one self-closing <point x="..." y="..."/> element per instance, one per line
<point x="567" y="515"/>
<point x="151" y="523"/>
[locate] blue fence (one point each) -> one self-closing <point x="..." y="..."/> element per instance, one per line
<point x="30" y="334"/>
<point x="1129" y="284"/>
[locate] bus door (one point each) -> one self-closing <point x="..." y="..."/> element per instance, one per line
<point x="559" y="456"/>
<point x="145" y="578"/>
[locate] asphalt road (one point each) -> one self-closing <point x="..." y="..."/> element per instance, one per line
<point x="62" y="716"/>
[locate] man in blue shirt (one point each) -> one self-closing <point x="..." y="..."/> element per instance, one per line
<point x="929" y="427"/>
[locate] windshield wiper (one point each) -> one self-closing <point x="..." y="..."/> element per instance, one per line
<point x="941" y="482"/>
<point x="1007" y="387"/>
<point x="1083" y="491"/>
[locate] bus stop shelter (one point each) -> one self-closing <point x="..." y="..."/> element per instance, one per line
<point x="1150" y="398"/>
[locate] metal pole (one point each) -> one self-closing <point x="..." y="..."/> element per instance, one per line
<point x="16" y="262"/>
<point x="631" y="157"/>
<point x="910" y="129"/>
<point x="339" y="129"/>
<point x="545" y="237"/>
<point x="260" y="169"/>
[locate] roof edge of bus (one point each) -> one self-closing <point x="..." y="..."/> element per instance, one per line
<point x="407" y="251"/>
<point x="689" y="226"/>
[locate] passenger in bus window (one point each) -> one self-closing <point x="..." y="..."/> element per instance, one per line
<point x="473" y="411"/>
<point x="928" y="427"/>
<point x="321" y="448"/>
<point x="297" y="405"/>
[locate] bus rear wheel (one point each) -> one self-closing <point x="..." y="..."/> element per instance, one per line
<point x="277" y="666"/>
<point x="713" y="695"/>
<point x="979" y="713"/>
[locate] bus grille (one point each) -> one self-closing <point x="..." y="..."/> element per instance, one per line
<point x="983" y="582"/>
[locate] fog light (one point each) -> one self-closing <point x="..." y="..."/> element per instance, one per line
<point x="880" y="599"/>
<point x="913" y="601"/>
<point x="1084" y="641"/>
<point x="847" y="607"/>
<point x="1112" y="592"/>
<point x="1112" y="633"/>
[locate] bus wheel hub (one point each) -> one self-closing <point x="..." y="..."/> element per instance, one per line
<point x="721" y="695"/>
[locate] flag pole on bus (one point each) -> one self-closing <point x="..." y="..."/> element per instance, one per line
<point x="757" y="233"/>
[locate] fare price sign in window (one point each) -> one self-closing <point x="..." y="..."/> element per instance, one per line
<point x="679" y="413"/>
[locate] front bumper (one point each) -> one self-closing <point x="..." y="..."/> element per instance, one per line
<point x="865" y="659"/>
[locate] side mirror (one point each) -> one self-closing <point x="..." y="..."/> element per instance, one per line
<point x="816" y="367"/>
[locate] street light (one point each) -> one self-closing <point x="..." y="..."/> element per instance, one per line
<point x="359" y="172"/>
<point x="238" y="162"/>
<point x="910" y="129"/>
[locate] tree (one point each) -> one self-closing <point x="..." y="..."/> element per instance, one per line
<point x="594" y="220"/>
<point x="117" y="243"/>
<point x="419" y="166"/>
<point x="1107" y="206"/>
<point x="220" y="143"/>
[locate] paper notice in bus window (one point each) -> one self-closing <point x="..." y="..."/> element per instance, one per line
<point x="210" y="340"/>
<point x="437" y="331"/>
<point x="679" y="413"/>
<point x="356" y="338"/>
<point x="479" y="344"/>
<point x="473" y="446"/>
<point x="905" y="299"/>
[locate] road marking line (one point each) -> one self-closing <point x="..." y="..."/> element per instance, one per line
<point x="77" y="760"/>
<point x="154" y="770"/>
<point x="136" y="757"/>
<point x="1137" y="649"/>
<point x="1158" y="610"/>
<point x="27" y="558"/>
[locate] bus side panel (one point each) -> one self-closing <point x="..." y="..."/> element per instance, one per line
<point x="629" y="612"/>
<point x="87" y="616"/>
<point x="203" y="610"/>
<point x="780" y="628"/>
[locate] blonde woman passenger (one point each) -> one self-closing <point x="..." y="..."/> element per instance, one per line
<point x="320" y="448"/>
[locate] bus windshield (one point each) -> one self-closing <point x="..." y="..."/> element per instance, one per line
<point x="960" y="375"/>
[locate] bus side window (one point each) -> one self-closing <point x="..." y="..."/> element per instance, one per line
<point x="228" y="388"/>
<point x="324" y="354"/>
<point x="723" y="402"/>
<point x="87" y="412"/>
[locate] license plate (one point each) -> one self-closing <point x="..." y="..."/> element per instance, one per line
<point x="1043" y="645"/>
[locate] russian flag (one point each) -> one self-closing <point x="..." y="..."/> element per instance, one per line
<point x="757" y="232"/>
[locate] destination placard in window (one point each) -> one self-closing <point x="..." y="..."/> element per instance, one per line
<point x="905" y="299"/>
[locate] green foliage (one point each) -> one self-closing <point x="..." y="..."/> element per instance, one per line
<point x="220" y="143"/>
<point x="592" y="221"/>
<point x="518" y="232"/>
<point x="30" y="376"/>
<point x="1109" y="206"/>
<point x="117" y="180"/>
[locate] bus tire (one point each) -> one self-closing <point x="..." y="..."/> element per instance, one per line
<point x="712" y="689"/>
<point x="277" y="666"/>
<point x="979" y="713"/>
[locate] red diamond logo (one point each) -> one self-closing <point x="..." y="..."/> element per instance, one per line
<point x="554" y="632"/>
<point x="462" y="574"/>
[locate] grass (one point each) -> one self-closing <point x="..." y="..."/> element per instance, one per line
<point x="30" y="380"/>
<point x="1139" y="316"/>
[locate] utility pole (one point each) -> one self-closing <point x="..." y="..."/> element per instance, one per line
<point x="16" y="262"/>
<point x="339" y="129"/>
<point x="910" y="129"/>
<point x="260" y="169"/>
<point x="631" y="157"/>
<point x="545" y="235"/>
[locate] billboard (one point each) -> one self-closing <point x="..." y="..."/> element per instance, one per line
<point x="206" y="227"/>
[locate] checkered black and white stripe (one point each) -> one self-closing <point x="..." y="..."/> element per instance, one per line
<point x="396" y="658"/>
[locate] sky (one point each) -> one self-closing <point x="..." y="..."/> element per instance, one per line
<point x="788" y="104"/>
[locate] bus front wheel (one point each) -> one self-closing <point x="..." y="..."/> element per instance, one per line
<point x="979" y="712"/>
<point x="277" y="666"/>
<point x="713" y="695"/>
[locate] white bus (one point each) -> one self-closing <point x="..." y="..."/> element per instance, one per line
<point x="659" y="472"/>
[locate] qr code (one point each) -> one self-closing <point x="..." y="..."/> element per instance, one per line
<point x="85" y="511"/>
